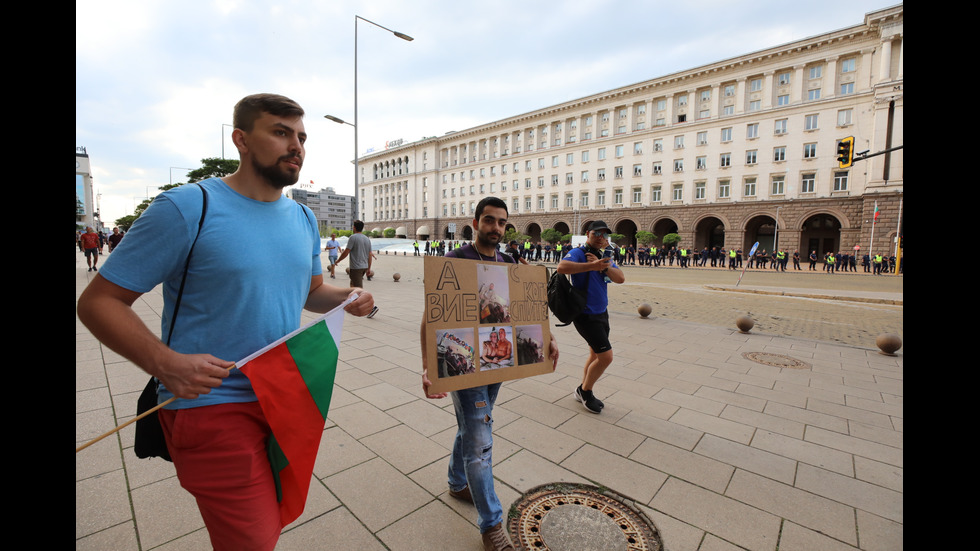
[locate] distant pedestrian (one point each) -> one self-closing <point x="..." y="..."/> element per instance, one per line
<point x="359" y="251"/>
<point x="90" y="245"/>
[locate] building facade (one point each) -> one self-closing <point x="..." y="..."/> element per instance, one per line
<point x="727" y="154"/>
<point x="332" y="210"/>
<point x="86" y="210"/>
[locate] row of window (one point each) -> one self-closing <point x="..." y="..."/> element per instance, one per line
<point x="780" y="128"/>
<point x="724" y="191"/>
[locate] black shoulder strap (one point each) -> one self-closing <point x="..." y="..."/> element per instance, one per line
<point x="180" y="292"/>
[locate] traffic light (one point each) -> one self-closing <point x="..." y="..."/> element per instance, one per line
<point x="845" y="152"/>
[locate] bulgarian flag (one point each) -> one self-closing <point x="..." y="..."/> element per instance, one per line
<point x="877" y="212"/>
<point x="293" y="380"/>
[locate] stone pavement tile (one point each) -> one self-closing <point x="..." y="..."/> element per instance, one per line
<point x="383" y="395"/>
<point x="676" y="535"/>
<point x="97" y="459"/>
<point x="803" y="415"/>
<point x="587" y="427"/>
<point x="861" y="495"/>
<point x="361" y="419"/>
<point x="101" y="502"/>
<point x="688" y="401"/>
<point x="197" y="540"/>
<point x="713" y="424"/>
<point x="809" y="392"/>
<point x="856" y="446"/>
<point x="798" y="538"/>
<point x="543" y="412"/>
<point x="376" y="493"/>
<point x="339" y="451"/>
<point x="434" y="526"/>
<point x="93" y="423"/>
<point x="164" y="511"/>
<point x="631" y="386"/>
<point x="371" y="364"/>
<point x="745" y="457"/>
<point x="640" y="404"/>
<point x="879" y="474"/>
<point x="726" y="518"/>
<point x="806" y="509"/>
<point x="876" y="405"/>
<point x="714" y="543"/>
<point x="399" y="357"/>
<point x="763" y="421"/>
<point x="337" y="529"/>
<point x="424" y="417"/>
<point x="605" y="468"/>
<point x="525" y="470"/>
<point x="352" y="379"/>
<point x="341" y="397"/>
<point x="660" y="429"/>
<point x="705" y="377"/>
<point x="404" y="449"/>
<point x="319" y="500"/>
<point x="121" y="536"/>
<point x="804" y="452"/>
<point x="657" y="378"/>
<point x="692" y="467"/>
<point x="408" y="380"/>
<point x="540" y="390"/>
<point x="540" y="439"/>
<point x="878" y="534"/>
<point x="727" y="397"/>
<point x="888" y="437"/>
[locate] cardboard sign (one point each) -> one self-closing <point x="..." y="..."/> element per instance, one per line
<point x="485" y="322"/>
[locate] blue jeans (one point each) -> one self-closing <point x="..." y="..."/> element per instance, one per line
<point x="471" y="463"/>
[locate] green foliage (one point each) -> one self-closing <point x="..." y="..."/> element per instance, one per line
<point x="671" y="240"/>
<point x="125" y="222"/>
<point x="389" y="233"/>
<point x="551" y="236"/>
<point x="212" y="167"/>
<point x="645" y="238"/>
<point x="513" y="235"/>
<point x="617" y="238"/>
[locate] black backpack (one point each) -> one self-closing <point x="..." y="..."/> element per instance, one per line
<point x="565" y="301"/>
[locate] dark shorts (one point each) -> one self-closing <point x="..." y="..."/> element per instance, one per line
<point x="594" y="328"/>
<point x="92" y="251"/>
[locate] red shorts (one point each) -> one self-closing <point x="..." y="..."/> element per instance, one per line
<point x="221" y="459"/>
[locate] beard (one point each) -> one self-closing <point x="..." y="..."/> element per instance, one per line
<point x="275" y="176"/>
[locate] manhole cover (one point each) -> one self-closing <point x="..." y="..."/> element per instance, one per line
<point x="577" y="517"/>
<point x="775" y="360"/>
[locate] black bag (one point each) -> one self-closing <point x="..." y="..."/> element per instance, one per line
<point x="150" y="441"/>
<point x="564" y="301"/>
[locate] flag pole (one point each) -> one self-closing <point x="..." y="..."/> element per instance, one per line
<point x="130" y="422"/>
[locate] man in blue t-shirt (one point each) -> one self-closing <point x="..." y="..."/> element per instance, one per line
<point x="590" y="269"/>
<point x="255" y="266"/>
<point x="333" y="251"/>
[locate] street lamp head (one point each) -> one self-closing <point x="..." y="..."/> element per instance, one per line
<point x="403" y="36"/>
<point x="336" y="120"/>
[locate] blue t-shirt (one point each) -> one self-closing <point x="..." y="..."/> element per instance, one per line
<point x="247" y="282"/>
<point x="597" y="299"/>
<point x="335" y="251"/>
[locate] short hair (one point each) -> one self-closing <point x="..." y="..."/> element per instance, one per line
<point x="358" y="225"/>
<point x="250" y="108"/>
<point x="488" y="202"/>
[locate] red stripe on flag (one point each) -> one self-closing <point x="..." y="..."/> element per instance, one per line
<point x="295" y="420"/>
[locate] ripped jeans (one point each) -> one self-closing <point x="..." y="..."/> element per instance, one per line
<point x="471" y="463"/>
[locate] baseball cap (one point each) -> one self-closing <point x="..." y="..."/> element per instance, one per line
<point x="599" y="225"/>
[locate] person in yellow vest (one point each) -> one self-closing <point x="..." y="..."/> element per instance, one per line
<point x="830" y="263"/>
<point x="731" y="259"/>
<point x="683" y="257"/>
<point x="558" y="249"/>
<point x="781" y="258"/>
<point x="878" y="259"/>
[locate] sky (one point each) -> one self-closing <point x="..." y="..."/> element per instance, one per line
<point x="156" y="82"/>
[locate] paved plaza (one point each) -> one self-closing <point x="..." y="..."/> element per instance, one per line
<point x="719" y="447"/>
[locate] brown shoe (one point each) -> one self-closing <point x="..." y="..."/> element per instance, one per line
<point x="463" y="494"/>
<point x="496" y="539"/>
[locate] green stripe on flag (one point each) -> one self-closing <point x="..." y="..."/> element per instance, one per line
<point x="315" y="353"/>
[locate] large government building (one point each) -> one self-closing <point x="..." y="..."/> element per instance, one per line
<point x="728" y="154"/>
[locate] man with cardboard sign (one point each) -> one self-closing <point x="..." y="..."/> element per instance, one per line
<point x="474" y="312"/>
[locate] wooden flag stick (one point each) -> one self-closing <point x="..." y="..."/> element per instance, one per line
<point x="124" y="425"/>
<point x="130" y="422"/>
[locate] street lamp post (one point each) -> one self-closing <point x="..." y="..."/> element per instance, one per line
<point x="357" y="198"/>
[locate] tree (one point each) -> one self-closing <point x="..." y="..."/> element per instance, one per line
<point x="616" y="238"/>
<point x="513" y="235"/>
<point x="389" y="233"/>
<point x="212" y="167"/>
<point x="671" y="240"/>
<point x="645" y="238"/>
<point x="551" y="235"/>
